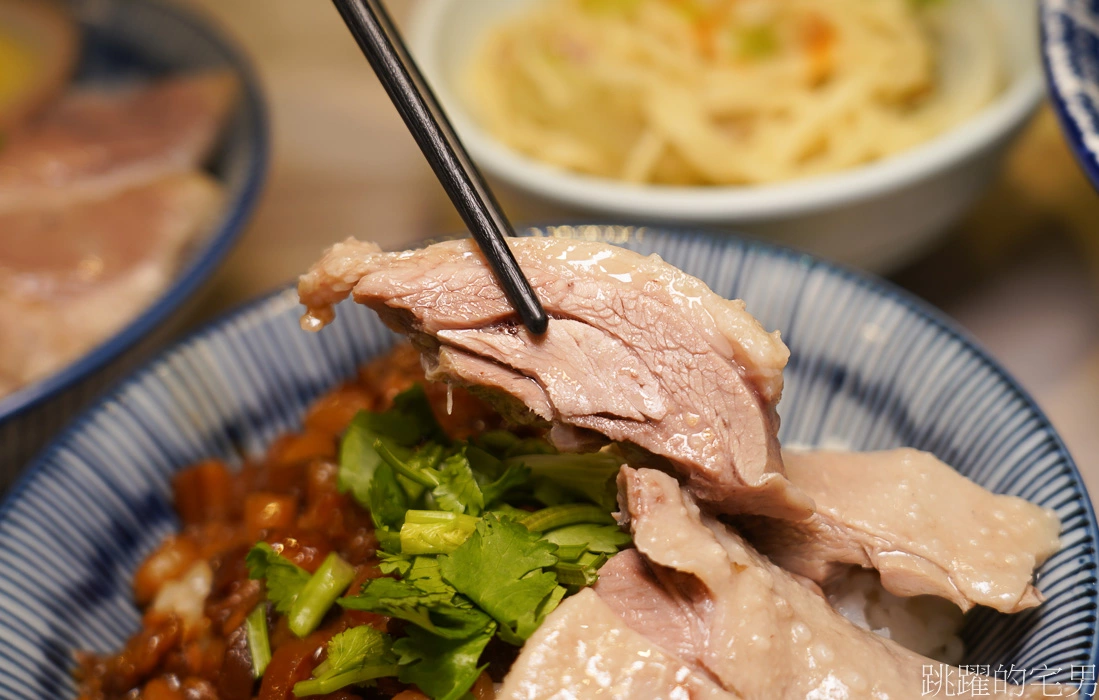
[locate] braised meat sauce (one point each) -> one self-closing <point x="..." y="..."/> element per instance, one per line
<point x="190" y="649"/>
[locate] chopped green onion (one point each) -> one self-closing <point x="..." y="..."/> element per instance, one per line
<point x="584" y="572"/>
<point x="388" y="541"/>
<point x="435" y="517"/>
<point x="259" y="644"/>
<point x="324" y="686"/>
<point x="324" y="587"/>
<point x="570" y="552"/>
<point x="567" y="514"/>
<point x="435" y="531"/>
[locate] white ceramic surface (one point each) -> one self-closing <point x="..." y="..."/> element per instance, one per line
<point x="876" y="216"/>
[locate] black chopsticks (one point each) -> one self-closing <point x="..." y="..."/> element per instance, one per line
<point x="382" y="44"/>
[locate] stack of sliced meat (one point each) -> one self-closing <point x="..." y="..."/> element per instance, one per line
<point x="99" y="198"/>
<point x="687" y="383"/>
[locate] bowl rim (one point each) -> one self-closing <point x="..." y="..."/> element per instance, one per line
<point x="1057" y="78"/>
<point x="734" y="203"/>
<point x="210" y="254"/>
<point x="275" y="301"/>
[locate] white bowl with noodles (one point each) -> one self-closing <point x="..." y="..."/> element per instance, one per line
<point x="876" y="216"/>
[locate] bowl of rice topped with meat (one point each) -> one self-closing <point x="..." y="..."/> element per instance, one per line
<point x="614" y="509"/>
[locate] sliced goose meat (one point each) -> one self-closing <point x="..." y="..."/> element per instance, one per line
<point x="925" y="527"/>
<point x="661" y="614"/>
<point x="636" y="350"/>
<point x="72" y="275"/>
<point x="95" y="142"/>
<point x="756" y="630"/>
<point x="583" y="651"/>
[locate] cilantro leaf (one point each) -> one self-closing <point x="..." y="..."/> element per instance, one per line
<point x="409" y="422"/>
<point x="513" y="477"/>
<point x="399" y="564"/>
<point x="355" y="656"/>
<point x="425" y="573"/>
<point x="401" y="599"/>
<point x="358" y="458"/>
<point x="444" y="669"/>
<point x="458" y="491"/>
<point x="387" y="501"/>
<point x="500" y="568"/>
<point x="423" y="599"/>
<point x="355" y="645"/>
<point x="284" y="579"/>
<point x="413" y="469"/>
<point x="589" y="476"/>
<point x="496" y="443"/>
<point x="606" y="539"/>
<point x="485" y="465"/>
<point x="551" y="493"/>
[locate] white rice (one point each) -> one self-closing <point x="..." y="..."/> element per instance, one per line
<point x="925" y="624"/>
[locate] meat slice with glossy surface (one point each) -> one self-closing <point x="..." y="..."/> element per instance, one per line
<point x="758" y="631"/>
<point x="583" y="651"/>
<point x="925" y="527"/>
<point x="72" y="275"/>
<point x="98" y="141"/>
<point x="635" y="350"/>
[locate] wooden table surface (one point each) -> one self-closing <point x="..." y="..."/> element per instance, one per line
<point x="1020" y="272"/>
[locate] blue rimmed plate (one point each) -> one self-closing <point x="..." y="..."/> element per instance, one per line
<point x="1070" y="49"/>
<point x="124" y="39"/>
<point x="871" y="367"/>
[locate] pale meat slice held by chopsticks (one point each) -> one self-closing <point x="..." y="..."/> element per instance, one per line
<point x="72" y="275"/>
<point x="98" y="141"/>
<point x="583" y="651"/>
<point x="636" y="350"/>
<point x="925" y="527"/>
<point x="730" y="613"/>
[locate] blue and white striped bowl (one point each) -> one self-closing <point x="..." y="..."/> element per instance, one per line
<point x="871" y="367"/>
<point x="125" y="40"/>
<point x="1070" y="49"/>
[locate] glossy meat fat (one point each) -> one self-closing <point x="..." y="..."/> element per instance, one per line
<point x="925" y="527"/>
<point x="751" y="625"/>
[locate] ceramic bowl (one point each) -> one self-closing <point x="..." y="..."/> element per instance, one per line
<point x="871" y="367"/>
<point x="876" y="216"/>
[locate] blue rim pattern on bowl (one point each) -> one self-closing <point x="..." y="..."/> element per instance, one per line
<point x="872" y="367"/>
<point x="196" y="44"/>
<point x="1070" y="51"/>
